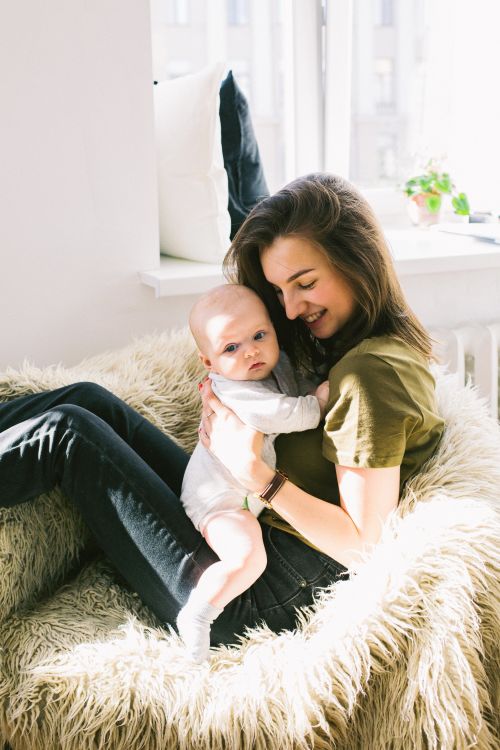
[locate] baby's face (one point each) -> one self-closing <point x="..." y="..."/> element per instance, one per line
<point x="241" y="344"/>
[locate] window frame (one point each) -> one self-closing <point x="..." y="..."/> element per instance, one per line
<point x="318" y="97"/>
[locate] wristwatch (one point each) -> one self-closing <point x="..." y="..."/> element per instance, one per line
<point x="271" y="489"/>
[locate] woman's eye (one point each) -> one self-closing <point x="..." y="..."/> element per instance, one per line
<point x="259" y="336"/>
<point x="230" y="348"/>
<point x="307" y="286"/>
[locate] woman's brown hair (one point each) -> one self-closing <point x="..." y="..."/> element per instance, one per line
<point x="328" y="211"/>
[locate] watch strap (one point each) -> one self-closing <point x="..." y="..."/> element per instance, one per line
<point x="271" y="489"/>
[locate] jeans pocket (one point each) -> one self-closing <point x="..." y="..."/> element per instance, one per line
<point x="293" y="569"/>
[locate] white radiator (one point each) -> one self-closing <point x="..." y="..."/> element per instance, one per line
<point x="472" y="352"/>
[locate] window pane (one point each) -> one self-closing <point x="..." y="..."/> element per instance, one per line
<point x="181" y="11"/>
<point x="237" y="12"/>
<point x="247" y="34"/>
<point x="384" y="10"/>
<point x="387" y="89"/>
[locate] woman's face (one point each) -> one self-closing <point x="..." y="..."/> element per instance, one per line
<point x="307" y="285"/>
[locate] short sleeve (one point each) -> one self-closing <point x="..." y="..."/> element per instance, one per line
<point x="371" y="414"/>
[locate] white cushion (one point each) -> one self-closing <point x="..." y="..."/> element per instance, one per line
<point x="193" y="192"/>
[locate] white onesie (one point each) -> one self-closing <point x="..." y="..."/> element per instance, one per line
<point x="272" y="406"/>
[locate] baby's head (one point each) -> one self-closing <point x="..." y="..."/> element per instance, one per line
<point x="234" y="333"/>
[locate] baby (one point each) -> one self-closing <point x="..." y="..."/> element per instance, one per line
<point x="238" y="346"/>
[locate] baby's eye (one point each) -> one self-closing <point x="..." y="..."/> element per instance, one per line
<point x="259" y="336"/>
<point x="230" y="348"/>
<point x="307" y="286"/>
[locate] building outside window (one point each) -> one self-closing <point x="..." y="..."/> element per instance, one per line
<point x="384" y="82"/>
<point x="388" y="68"/>
<point x="384" y="12"/>
<point x="237" y="12"/>
<point x="387" y="145"/>
<point x="180" y="12"/>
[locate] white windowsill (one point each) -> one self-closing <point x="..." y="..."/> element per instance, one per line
<point x="415" y="251"/>
<point x="176" y="277"/>
<point x="423" y="251"/>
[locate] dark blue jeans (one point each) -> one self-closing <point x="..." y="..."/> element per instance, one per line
<point x="125" y="477"/>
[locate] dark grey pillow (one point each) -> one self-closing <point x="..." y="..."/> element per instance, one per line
<point x="245" y="175"/>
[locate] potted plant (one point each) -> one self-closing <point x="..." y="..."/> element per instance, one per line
<point x="425" y="192"/>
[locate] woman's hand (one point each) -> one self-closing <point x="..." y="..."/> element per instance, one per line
<point x="322" y="393"/>
<point x="234" y="443"/>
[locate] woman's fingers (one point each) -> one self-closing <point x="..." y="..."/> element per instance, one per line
<point x="204" y="439"/>
<point x="234" y="443"/>
<point x="211" y="404"/>
<point x="205" y="388"/>
<point x="214" y="414"/>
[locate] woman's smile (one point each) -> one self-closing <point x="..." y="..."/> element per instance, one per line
<point x="310" y="320"/>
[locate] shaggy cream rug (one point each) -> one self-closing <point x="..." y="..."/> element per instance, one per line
<point x="403" y="656"/>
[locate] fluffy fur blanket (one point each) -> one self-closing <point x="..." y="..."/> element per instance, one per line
<point x="403" y="656"/>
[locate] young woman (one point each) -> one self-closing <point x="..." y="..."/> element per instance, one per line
<point x="315" y="254"/>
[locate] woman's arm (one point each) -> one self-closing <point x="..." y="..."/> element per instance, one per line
<point x="367" y="495"/>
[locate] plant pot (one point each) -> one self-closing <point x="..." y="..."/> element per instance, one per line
<point x="420" y="214"/>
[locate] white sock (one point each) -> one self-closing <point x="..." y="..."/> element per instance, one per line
<point x="193" y="624"/>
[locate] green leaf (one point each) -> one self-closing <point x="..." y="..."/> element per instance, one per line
<point x="461" y="204"/>
<point x="425" y="183"/>
<point x="433" y="203"/>
<point x="443" y="183"/>
<point x="412" y="186"/>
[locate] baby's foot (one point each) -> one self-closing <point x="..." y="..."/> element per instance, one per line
<point x="193" y="623"/>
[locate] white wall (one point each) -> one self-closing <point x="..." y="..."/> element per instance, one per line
<point x="78" y="201"/>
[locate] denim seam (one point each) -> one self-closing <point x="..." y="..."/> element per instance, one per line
<point x="310" y="584"/>
<point x="139" y="492"/>
<point x="286" y="565"/>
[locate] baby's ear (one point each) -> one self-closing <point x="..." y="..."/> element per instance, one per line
<point x="206" y="362"/>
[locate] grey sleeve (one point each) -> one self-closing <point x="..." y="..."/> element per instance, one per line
<point x="291" y="380"/>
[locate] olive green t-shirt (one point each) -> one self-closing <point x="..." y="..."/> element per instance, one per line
<point x="381" y="412"/>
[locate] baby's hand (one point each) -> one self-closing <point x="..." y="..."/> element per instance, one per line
<point x="322" y="393"/>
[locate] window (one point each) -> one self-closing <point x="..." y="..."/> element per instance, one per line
<point x="237" y="12"/>
<point x="387" y="87"/>
<point x="370" y="89"/>
<point x="248" y="35"/>
<point x="384" y="82"/>
<point x="387" y="157"/>
<point x="384" y="12"/>
<point x="242" y="74"/>
<point x="180" y="12"/>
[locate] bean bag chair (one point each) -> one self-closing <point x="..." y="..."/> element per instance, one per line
<point x="403" y="655"/>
